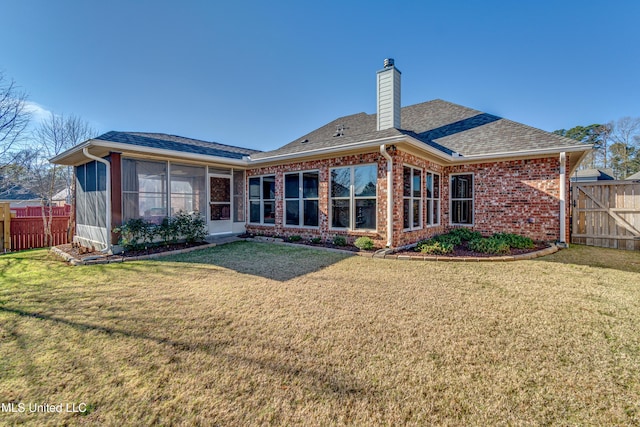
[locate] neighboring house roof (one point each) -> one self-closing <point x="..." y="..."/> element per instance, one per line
<point x="12" y="191"/>
<point x="177" y="143"/>
<point x="447" y="127"/>
<point x="61" y="195"/>
<point x="635" y="176"/>
<point x="592" y="175"/>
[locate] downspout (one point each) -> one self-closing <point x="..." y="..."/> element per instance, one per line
<point x="85" y="151"/>
<point x="563" y="196"/>
<point x="383" y="151"/>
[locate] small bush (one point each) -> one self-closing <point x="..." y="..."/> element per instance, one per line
<point x="515" y="240"/>
<point x="295" y="238"/>
<point x="464" y="234"/>
<point x="340" y="241"/>
<point x="489" y="246"/>
<point x="364" y="243"/>
<point x="434" y="247"/>
<point x="315" y="240"/>
<point x="448" y="239"/>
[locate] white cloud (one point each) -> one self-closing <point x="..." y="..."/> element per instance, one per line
<point x="38" y="112"/>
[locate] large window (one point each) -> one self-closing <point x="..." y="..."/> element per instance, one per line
<point x="91" y="194"/>
<point x="462" y="199"/>
<point x="301" y="198"/>
<point x="144" y="190"/>
<point x="432" y="184"/>
<point x="188" y="192"/>
<point x="353" y="197"/>
<point x="412" y="197"/>
<point x="262" y="199"/>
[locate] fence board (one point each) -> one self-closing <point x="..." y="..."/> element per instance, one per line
<point x="606" y="213"/>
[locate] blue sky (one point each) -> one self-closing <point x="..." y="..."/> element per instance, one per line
<point x="260" y="74"/>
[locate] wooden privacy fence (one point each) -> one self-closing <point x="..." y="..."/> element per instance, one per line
<point x="27" y="232"/>
<point x="33" y="211"/>
<point x="606" y="214"/>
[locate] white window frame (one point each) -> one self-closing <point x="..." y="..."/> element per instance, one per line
<point x="300" y="199"/>
<point x="429" y="217"/>
<point x="472" y="199"/>
<point x="262" y="200"/>
<point x="352" y="199"/>
<point x="412" y="198"/>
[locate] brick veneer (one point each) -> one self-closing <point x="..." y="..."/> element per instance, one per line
<point x="519" y="196"/>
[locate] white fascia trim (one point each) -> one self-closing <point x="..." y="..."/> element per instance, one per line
<point x="540" y="151"/>
<point x="73" y="150"/>
<point x="374" y="143"/>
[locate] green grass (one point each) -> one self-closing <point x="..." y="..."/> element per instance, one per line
<point x="250" y="333"/>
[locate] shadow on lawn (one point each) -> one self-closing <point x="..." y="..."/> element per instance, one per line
<point x="591" y="256"/>
<point x="328" y="382"/>
<point x="267" y="260"/>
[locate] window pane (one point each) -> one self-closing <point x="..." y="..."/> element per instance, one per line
<point x="341" y="182"/>
<point x="311" y="213"/>
<point x="417" y="183"/>
<point x="220" y="189"/>
<point x="366" y="214"/>
<point x="436" y="212"/>
<point x="340" y="213"/>
<point x="429" y="185"/>
<point x="291" y="186"/>
<point x="365" y="180"/>
<point x="254" y="212"/>
<point x="269" y="212"/>
<point x="310" y="183"/>
<point x="153" y="207"/>
<point x="429" y="218"/>
<point x="187" y="188"/>
<point x="406" y="214"/>
<point x="416" y="213"/>
<point x="254" y="188"/>
<point x="461" y="211"/>
<point x="461" y="186"/>
<point x="293" y="212"/>
<point x="220" y="212"/>
<point x="436" y="186"/>
<point x="406" y="181"/>
<point x="268" y="188"/>
<point x="91" y="177"/>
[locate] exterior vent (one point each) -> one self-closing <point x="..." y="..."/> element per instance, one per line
<point x="388" y="90"/>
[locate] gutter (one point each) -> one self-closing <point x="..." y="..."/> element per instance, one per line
<point x="563" y="195"/>
<point x="85" y="151"/>
<point x="383" y="151"/>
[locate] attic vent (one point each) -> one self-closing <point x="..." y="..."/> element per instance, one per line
<point x="304" y="141"/>
<point x="340" y="130"/>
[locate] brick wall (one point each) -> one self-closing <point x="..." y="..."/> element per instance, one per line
<point x="519" y="196"/>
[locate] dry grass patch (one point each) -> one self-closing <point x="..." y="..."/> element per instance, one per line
<point x="252" y="333"/>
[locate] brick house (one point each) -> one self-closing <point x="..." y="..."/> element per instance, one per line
<point x="446" y="165"/>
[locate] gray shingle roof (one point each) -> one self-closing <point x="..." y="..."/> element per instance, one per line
<point x="440" y="124"/>
<point x="177" y="143"/>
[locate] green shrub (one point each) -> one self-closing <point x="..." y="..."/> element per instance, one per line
<point x="448" y="239"/>
<point x="489" y="245"/>
<point x="135" y="234"/>
<point x="364" y="243"/>
<point x="515" y="240"/>
<point x="434" y="247"/>
<point x="465" y="234"/>
<point x="295" y="238"/>
<point x="315" y="240"/>
<point x="340" y="241"/>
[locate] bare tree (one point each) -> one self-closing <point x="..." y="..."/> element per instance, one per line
<point x="625" y="135"/>
<point x="14" y="116"/>
<point x="55" y="135"/>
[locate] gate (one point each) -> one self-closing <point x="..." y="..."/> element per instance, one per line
<point x="606" y="214"/>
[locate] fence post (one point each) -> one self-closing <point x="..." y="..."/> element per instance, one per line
<point x="5" y="218"/>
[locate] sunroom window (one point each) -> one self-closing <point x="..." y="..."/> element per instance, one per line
<point x="353" y="197"/>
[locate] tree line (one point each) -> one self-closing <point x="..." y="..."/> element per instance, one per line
<point x="616" y="145"/>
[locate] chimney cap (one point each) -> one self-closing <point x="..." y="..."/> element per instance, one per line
<point x="388" y="62"/>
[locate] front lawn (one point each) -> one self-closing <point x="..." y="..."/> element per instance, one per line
<point x="254" y="333"/>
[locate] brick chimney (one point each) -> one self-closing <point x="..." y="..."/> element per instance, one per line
<point x="388" y="96"/>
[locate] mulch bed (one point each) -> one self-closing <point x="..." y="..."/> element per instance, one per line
<point x="463" y="251"/>
<point x="75" y="251"/>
